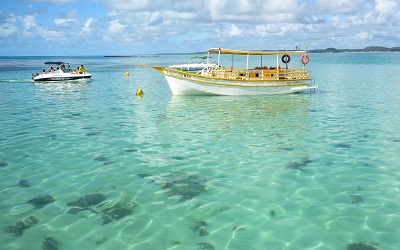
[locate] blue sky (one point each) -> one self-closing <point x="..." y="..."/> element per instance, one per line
<point x="131" y="27"/>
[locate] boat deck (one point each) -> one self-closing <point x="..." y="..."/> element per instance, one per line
<point x="257" y="74"/>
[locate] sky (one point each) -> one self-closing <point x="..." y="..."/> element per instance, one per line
<point x="139" y="27"/>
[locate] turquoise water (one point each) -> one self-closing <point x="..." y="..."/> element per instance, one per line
<point x="89" y="164"/>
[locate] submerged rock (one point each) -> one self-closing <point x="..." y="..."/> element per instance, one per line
<point x="197" y="225"/>
<point x="200" y="226"/>
<point x="104" y="239"/>
<point x="343" y="145"/>
<point x="3" y="164"/>
<point x="203" y="232"/>
<point x="179" y="158"/>
<point x="41" y="201"/>
<point x="50" y="243"/>
<point x="88" y="200"/>
<point x="205" y="246"/>
<point x="360" y="246"/>
<point x="356" y="198"/>
<point x="23" y="183"/>
<point x="76" y="210"/>
<point x="187" y="188"/>
<point x="299" y="165"/>
<point x="20" y="226"/>
<point x="175" y="242"/>
<point x="116" y="212"/>
<point x="93" y="133"/>
<point x="101" y="158"/>
<point x="131" y="150"/>
<point x="143" y="175"/>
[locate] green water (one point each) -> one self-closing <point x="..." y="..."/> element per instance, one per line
<point x="296" y="171"/>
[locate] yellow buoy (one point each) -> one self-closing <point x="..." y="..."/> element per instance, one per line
<point x="127" y="73"/>
<point x="139" y="92"/>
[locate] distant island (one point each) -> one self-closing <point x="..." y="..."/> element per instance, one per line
<point x="135" y="56"/>
<point x="367" y="49"/>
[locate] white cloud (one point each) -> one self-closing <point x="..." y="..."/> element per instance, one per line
<point x="8" y="27"/>
<point x="387" y="11"/>
<point x="226" y="32"/>
<point x="115" y="26"/>
<point x="363" y="35"/>
<point x="112" y="13"/>
<point x="87" y="24"/>
<point x="64" y="21"/>
<point x="234" y="31"/>
<point x="339" y="6"/>
<point x="237" y="23"/>
<point x="28" y="22"/>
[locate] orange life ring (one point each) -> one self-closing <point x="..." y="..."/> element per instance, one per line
<point x="304" y="59"/>
<point x="286" y="58"/>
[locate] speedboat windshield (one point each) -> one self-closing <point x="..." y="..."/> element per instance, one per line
<point x="53" y="63"/>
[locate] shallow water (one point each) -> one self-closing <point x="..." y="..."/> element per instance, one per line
<point x="295" y="171"/>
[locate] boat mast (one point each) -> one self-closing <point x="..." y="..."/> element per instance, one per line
<point x="247" y="65"/>
<point x="219" y="56"/>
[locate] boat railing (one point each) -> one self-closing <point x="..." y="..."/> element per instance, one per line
<point x="258" y="73"/>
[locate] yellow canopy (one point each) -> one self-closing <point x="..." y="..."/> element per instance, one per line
<point x="244" y="52"/>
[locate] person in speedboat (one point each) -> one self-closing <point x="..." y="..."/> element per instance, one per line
<point x="51" y="70"/>
<point x="81" y="70"/>
<point x="43" y="72"/>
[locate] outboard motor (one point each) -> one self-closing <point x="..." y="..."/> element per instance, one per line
<point x="34" y="75"/>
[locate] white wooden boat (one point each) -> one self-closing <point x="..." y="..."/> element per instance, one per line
<point x="248" y="80"/>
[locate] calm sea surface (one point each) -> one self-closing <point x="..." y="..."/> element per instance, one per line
<point x="90" y="165"/>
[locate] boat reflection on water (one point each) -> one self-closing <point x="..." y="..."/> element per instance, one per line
<point x="52" y="91"/>
<point x="251" y="118"/>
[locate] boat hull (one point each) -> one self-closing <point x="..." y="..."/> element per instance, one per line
<point x="188" y="84"/>
<point x="60" y="77"/>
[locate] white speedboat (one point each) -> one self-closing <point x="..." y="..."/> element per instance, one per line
<point x="193" y="65"/>
<point x="230" y="80"/>
<point x="60" y="71"/>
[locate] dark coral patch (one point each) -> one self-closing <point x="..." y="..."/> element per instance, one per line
<point x="179" y="158"/>
<point x="23" y="183"/>
<point x="50" y="243"/>
<point x="117" y="212"/>
<point x="93" y="133"/>
<point x="360" y="246"/>
<point x="88" y="200"/>
<point x="187" y="188"/>
<point x="3" y="164"/>
<point x="20" y="226"/>
<point x="299" y="165"/>
<point x="343" y="145"/>
<point x="356" y="198"/>
<point x="131" y="150"/>
<point x="41" y="201"/>
<point x="101" y="158"/>
<point x="197" y="225"/>
<point x="143" y="175"/>
<point x="205" y="246"/>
